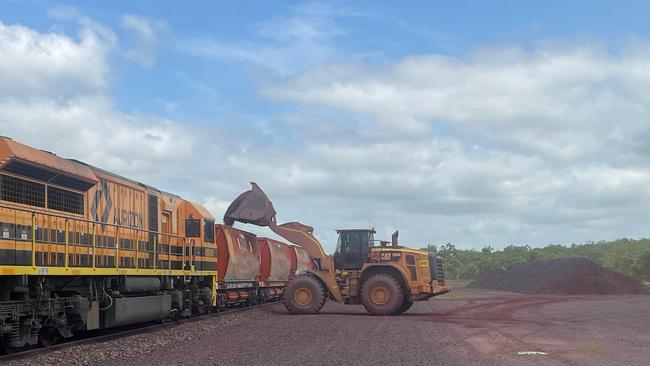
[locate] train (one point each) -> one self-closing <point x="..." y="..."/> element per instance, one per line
<point x="82" y="248"/>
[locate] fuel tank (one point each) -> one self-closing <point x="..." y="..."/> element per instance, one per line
<point x="275" y="260"/>
<point x="239" y="257"/>
<point x="300" y="260"/>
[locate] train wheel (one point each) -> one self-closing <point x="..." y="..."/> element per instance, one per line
<point x="382" y="294"/>
<point x="303" y="295"/>
<point x="5" y="348"/>
<point x="47" y="336"/>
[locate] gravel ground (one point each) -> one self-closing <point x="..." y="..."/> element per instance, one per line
<point x="466" y="327"/>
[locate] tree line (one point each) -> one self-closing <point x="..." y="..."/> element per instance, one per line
<point x="628" y="256"/>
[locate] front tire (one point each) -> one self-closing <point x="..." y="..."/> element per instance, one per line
<point x="382" y="294"/>
<point x="405" y="306"/>
<point x="303" y="295"/>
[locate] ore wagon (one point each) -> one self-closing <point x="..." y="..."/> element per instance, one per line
<point x="276" y="267"/>
<point x="238" y="266"/>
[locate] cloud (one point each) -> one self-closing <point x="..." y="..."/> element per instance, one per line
<point x="34" y="64"/>
<point x="146" y="32"/>
<point x="287" y="44"/>
<point x="64" y="12"/>
<point x="54" y="83"/>
<point x="574" y="98"/>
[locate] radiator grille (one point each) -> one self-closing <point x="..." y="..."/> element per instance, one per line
<point x="22" y="191"/>
<point x="63" y="200"/>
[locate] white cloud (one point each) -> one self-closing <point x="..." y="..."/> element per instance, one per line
<point x="147" y="38"/>
<point x="51" y="64"/>
<point x="91" y="128"/>
<point x="64" y="12"/>
<point x="54" y="95"/>
<point x="144" y="28"/>
<point x="288" y="43"/>
<point x="560" y="102"/>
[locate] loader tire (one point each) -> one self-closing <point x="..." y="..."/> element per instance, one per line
<point x="382" y="294"/>
<point x="304" y="294"/>
<point x="405" y="306"/>
<point x="325" y="295"/>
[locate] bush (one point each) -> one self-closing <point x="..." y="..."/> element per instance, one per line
<point x="628" y="256"/>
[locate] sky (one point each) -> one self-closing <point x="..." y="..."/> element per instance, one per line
<point x="477" y="123"/>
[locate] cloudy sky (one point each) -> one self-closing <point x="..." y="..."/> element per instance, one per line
<point x="479" y="123"/>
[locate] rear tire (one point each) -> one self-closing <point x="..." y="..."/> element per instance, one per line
<point x="405" y="306"/>
<point x="303" y="295"/>
<point x="382" y="294"/>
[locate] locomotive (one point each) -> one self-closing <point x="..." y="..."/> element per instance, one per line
<point x="82" y="248"/>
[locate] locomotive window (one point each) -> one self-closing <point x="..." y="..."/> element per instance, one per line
<point x="192" y="228"/>
<point x="63" y="200"/>
<point x="22" y="191"/>
<point x="208" y="230"/>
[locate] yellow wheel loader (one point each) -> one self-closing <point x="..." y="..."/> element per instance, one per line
<point x="386" y="278"/>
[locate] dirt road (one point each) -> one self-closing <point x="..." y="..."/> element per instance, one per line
<point x="465" y="327"/>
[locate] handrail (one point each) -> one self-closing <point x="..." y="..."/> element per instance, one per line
<point x="137" y="250"/>
<point x="86" y="220"/>
<point x="155" y="251"/>
<point x="94" y="245"/>
<point x="33" y="240"/>
<point x="117" y="248"/>
<point x="67" y="242"/>
<point x="178" y="240"/>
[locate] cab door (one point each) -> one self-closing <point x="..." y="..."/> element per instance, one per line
<point x="353" y="249"/>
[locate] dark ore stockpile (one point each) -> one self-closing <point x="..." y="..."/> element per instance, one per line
<point x="565" y="276"/>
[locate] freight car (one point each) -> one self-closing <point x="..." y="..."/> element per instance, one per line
<point x="82" y="248"/>
<point x="253" y="270"/>
<point x="279" y="263"/>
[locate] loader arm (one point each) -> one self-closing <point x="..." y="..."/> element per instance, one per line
<point x="254" y="207"/>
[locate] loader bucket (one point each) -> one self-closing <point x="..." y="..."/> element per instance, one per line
<point x="251" y="207"/>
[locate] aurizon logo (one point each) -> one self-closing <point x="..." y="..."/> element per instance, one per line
<point x="121" y="217"/>
<point x="102" y="191"/>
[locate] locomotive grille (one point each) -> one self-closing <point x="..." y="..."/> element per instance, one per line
<point x="22" y="191"/>
<point x="62" y="200"/>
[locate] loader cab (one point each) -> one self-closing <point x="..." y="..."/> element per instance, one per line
<point x="353" y="248"/>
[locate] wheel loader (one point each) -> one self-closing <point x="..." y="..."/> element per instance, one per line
<point x="386" y="278"/>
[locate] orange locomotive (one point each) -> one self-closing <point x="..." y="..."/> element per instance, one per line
<point x="82" y="248"/>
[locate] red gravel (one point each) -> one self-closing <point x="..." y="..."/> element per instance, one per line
<point x="465" y="327"/>
<point x="566" y="276"/>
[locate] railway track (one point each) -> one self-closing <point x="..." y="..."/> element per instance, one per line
<point x="115" y="333"/>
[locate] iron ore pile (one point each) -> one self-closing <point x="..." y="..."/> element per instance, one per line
<point x="565" y="276"/>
